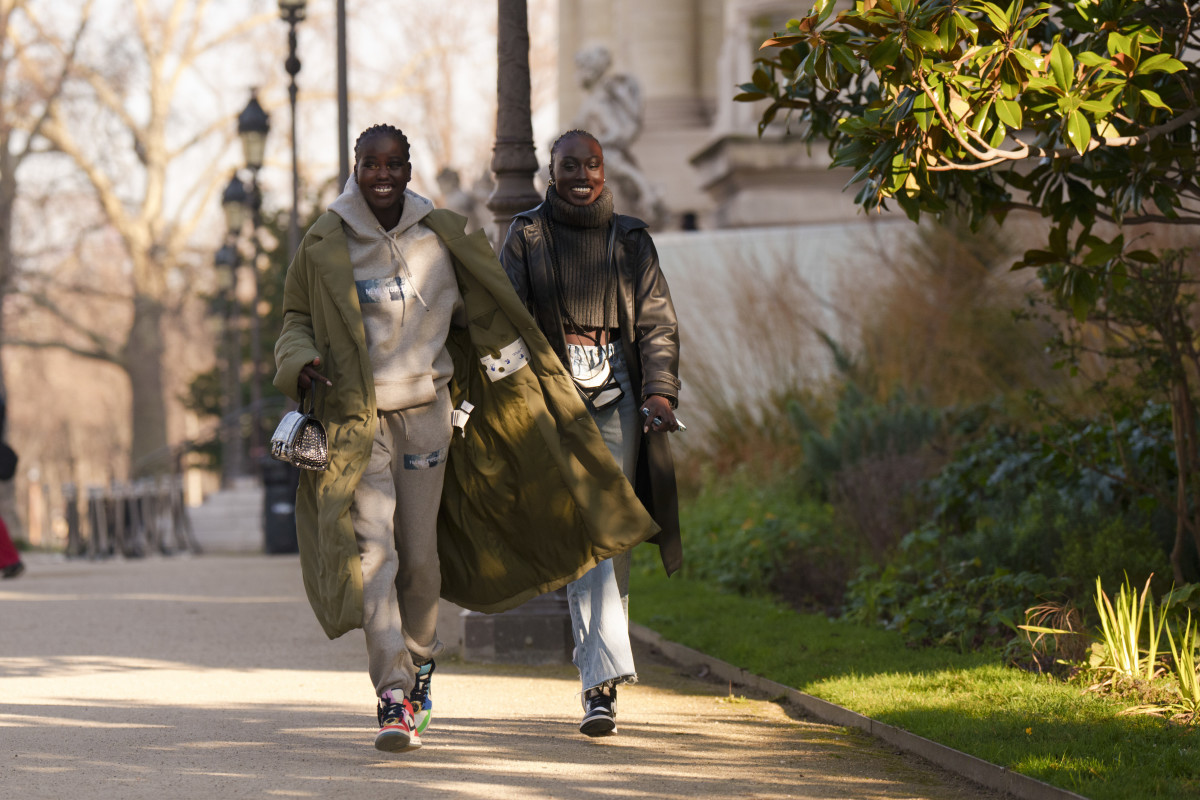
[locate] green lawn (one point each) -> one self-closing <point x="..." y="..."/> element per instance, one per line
<point x="1043" y="728"/>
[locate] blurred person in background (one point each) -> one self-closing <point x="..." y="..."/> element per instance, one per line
<point x="10" y="560"/>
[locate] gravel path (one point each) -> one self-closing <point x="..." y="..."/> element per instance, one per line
<point x="208" y="677"/>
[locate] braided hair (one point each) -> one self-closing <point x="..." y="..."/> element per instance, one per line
<point x="383" y="129"/>
<point x="571" y="134"/>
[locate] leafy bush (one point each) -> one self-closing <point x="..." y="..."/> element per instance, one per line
<point x="741" y="535"/>
<point x="935" y="601"/>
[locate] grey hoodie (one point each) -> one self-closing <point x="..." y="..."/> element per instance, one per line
<point x="408" y="295"/>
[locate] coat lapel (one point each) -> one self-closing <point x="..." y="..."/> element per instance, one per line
<point x="332" y="258"/>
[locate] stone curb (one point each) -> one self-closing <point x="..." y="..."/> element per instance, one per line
<point x="975" y="769"/>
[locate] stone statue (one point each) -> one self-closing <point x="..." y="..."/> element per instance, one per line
<point x="461" y="201"/>
<point x="612" y="112"/>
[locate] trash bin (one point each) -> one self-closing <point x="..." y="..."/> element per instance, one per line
<point x="279" y="505"/>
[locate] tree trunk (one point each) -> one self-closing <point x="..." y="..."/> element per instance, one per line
<point x="143" y="362"/>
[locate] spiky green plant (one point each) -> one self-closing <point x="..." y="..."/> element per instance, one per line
<point x="1120" y="648"/>
<point x="1183" y="665"/>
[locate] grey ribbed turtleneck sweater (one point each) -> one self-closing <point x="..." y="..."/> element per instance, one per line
<point x="578" y="241"/>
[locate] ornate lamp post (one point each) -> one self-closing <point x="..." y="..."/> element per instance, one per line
<point x="514" y="160"/>
<point x="292" y="12"/>
<point x="253" y="126"/>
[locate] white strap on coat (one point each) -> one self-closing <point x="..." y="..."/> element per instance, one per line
<point x="512" y="358"/>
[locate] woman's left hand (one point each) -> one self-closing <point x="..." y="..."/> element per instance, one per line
<point x="658" y="416"/>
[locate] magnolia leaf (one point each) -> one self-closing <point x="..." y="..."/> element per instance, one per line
<point x="749" y="97"/>
<point x="1062" y="66"/>
<point x="1097" y="107"/>
<point x="968" y="25"/>
<point x="998" y="134"/>
<point x="924" y="39"/>
<point x="958" y="106"/>
<point x="1037" y="258"/>
<point x="781" y="41"/>
<point x="885" y="53"/>
<point x="923" y="111"/>
<point x="1106" y="130"/>
<point x="1079" y="131"/>
<point x="1142" y="256"/>
<point x="846" y="57"/>
<point x="1090" y="59"/>
<point x="998" y="17"/>
<point x="1029" y="60"/>
<point x="1153" y="99"/>
<point x="1124" y="63"/>
<point x="1120" y="44"/>
<point x="1009" y="112"/>
<point x="762" y="80"/>
<point x="981" y="118"/>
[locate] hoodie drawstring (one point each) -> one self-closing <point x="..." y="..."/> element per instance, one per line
<point x="398" y="256"/>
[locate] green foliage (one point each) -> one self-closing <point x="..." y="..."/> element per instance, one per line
<point x="862" y="428"/>
<point x="743" y="534"/>
<point x="931" y="600"/>
<point x="933" y="103"/>
<point x="1062" y="501"/>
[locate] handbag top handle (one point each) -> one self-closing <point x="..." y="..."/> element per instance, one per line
<point x="312" y="406"/>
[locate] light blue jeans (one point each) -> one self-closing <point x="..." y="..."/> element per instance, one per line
<point x="599" y="601"/>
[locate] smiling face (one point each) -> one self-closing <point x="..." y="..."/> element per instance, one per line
<point x="577" y="166"/>
<point x="383" y="170"/>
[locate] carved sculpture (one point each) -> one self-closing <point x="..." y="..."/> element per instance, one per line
<point x="612" y="111"/>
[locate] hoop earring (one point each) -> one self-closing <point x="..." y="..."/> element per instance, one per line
<point x="551" y="183"/>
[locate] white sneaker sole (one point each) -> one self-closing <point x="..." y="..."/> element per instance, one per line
<point x="396" y="740"/>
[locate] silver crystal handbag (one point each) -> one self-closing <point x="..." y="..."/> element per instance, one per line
<point x="300" y="440"/>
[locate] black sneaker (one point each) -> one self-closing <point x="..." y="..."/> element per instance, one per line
<point x="397" y="732"/>
<point x="421" y="699"/>
<point x="599" y="711"/>
<point x="13" y="570"/>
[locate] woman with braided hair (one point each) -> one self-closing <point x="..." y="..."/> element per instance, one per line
<point x="591" y="279"/>
<point x="426" y="370"/>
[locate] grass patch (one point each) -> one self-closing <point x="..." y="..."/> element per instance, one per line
<point x="1029" y="723"/>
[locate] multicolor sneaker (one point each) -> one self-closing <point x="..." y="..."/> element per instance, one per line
<point x="599" y="711"/>
<point x="422" y="701"/>
<point x="397" y="732"/>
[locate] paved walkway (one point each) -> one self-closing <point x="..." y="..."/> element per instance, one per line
<point x="207" y="677"/>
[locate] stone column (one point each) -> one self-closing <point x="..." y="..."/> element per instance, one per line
<point x="514" y="161"/>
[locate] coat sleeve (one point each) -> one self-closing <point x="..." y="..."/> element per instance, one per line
<point x="656" y="326"/>
<point x="514" y="257"/>
<point x="296" y="345"/>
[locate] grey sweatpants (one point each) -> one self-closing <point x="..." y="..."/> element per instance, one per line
<point x="394" y="514"/>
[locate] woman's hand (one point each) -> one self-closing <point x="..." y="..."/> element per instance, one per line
<point x="308" y="374"/>
<point x="659" y="418"/>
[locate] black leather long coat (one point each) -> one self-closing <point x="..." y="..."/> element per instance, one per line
<point x="649" y="338"/>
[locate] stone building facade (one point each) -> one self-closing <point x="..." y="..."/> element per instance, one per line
<point x="696" y="144"/>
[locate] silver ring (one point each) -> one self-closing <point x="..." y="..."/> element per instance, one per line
<point x="658" y="420"/>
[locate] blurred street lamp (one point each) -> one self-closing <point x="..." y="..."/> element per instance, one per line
<point x="233" y="203"/>
<point x="292" y="12"/>
<point x="253" y="127"/>
<point x="227" y="263"/>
